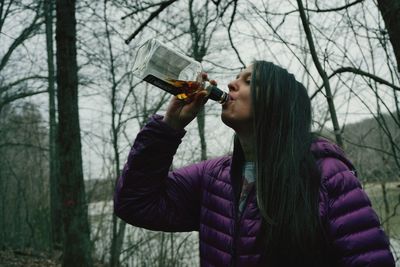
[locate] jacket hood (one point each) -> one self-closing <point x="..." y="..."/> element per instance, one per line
<point x="322" y="148"/>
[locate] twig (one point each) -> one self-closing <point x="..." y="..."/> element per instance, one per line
<point x="360" y="72"/>
<point x="336" y="8"/>
<point x="229" y="33"/>
<point x="149" y="19"/>
<point x="322" y="73"/>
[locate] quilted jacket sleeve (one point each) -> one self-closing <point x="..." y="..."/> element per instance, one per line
<point x="353" y="226"/>
<point x="147" y="194"/>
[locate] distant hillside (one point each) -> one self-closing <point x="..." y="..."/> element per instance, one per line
<point x="359" y="138"/>
<point x="369" y="148"/>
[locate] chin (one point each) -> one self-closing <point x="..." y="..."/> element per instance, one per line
<point x="227" y="120"/>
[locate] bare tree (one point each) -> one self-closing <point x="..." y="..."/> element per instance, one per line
<point x="322" y="72"/>
<point x="23" y="178"/>
<point x="55" y="202"/>
<point x="342" y="52"/>
<point x="203" y="23"/>
<point x="77" y="246"/>
<point x="390" y="10"/>
<point x="16" y="88"/>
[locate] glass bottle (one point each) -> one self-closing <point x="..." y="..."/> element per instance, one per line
<point x="173" y="72"/>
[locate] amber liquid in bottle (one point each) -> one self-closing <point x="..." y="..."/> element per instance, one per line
<point x="185" y="88"/>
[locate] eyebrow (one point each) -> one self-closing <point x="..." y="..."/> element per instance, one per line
<point x="246" y="73"/>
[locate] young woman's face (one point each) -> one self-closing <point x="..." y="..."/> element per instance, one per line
<point x="237" y="112"/>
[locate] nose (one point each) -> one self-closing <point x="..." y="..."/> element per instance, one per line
<point x="232" y="86"/>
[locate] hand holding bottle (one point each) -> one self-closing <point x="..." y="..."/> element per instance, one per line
<point x="181" y="112"/>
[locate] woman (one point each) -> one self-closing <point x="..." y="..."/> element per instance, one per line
<point x="284" y="198"/>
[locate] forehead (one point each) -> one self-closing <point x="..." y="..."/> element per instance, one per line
<point x="246" y="71"/>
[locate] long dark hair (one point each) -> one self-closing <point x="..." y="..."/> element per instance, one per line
<point x="288" y="181"/>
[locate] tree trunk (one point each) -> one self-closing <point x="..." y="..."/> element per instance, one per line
<point x="390" y="10"/>
<point x="118" y="233"/>
<point x="322" y="73"/>
<point x="76" y="246"/>
<point x="55" y="202"/>
<point x="198" y="52"/>
<point x="201" y="121"/>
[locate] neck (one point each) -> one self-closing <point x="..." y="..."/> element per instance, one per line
<point x="247" y="143"/>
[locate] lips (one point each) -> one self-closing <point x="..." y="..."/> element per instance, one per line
<point x="230" y="100"/>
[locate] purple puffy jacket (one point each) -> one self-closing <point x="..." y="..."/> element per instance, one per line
<point x="200" y="198"/>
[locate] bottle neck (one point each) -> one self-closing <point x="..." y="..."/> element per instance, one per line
<point x="216" y="94"/>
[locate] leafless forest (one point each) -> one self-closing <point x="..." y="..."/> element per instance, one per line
<point x="70" y="109"/>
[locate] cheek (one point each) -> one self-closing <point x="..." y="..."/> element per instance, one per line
<point x="237" y="112"/>
<point x="246" y="107"/>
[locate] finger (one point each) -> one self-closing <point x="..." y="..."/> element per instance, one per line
<point x="205" y="100"/>
<point x="200" y="98"/>
<point x="190" y="98"/>
<point x="176" y="104"/>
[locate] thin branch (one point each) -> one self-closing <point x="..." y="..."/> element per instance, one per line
<point x="318" y="10"/>
<point x="12" y="98"/>
<point x="3" y="18"/>
<point x="221" y="66"/>
<point x="335" y="8"/>
<point x="321" y="72"/>
<point x="153" y="15"/>
<point x="281" y="39"/>
<point x="359" y="72"/>
<point x="369" y="147"/>
<point x="229" y="33"/>
<point x="140" y="10"/>
<point x="8" y="86"/>
<point x="381" y="126"/>
<point x="25" y="34"/>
